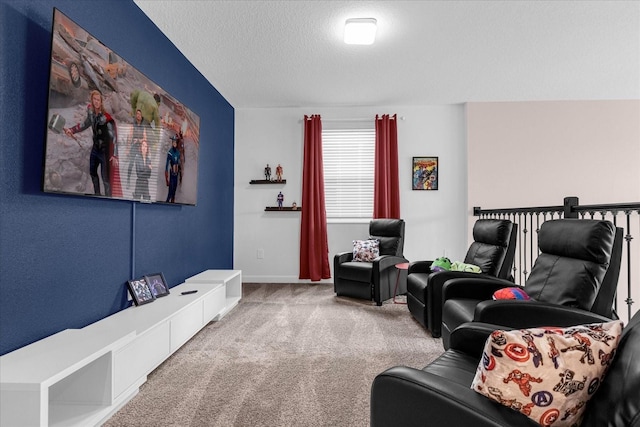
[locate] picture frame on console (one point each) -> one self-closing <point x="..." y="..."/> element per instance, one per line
<point x="424" y="173"/>
<point x="157" y="284"/>
<point x="140" y="291"/>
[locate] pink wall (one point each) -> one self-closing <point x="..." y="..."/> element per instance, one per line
<point x="535" y="153"/>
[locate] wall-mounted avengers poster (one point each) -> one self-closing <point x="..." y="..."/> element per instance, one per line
<point x="112" y="132"/>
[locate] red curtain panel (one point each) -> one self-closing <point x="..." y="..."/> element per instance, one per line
<point x="386" y="188"/>
<point x="314" y="246"/>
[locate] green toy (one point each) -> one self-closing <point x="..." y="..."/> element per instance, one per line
<point x="469" y="268"/>
<point x="441" y="264"/>
<point x="445" y="264"/>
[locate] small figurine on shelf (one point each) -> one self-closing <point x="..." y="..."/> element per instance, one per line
<point x="267" y="172"/>
<point x="280" y="199"/>
<point x="294" y="206"/>
<point x="279" y="173"/>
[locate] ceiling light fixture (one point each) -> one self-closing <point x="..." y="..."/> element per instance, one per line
<point x="360" y="31"/>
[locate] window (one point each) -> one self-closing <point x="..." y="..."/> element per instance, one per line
<point x="348" y="155"/>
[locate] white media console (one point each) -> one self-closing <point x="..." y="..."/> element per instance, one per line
<point x="80" y="377"/>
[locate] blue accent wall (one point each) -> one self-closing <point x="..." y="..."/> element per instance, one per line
<point x="64" y="260"/>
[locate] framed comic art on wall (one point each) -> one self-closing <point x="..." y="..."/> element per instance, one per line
<point x="424" y="173"/>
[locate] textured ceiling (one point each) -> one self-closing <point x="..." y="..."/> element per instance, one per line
<point x="291" y="53"/>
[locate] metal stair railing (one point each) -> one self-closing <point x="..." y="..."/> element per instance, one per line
<point x="529" y="219"/>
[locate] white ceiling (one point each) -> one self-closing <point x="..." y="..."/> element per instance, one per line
<point x="291" y="53"/>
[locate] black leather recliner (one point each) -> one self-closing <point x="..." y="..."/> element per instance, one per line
<point x="493" y="251"/>
<point x="373" y="280"/>
<point x="578" y="268"/>
<point x="440" y="394"/>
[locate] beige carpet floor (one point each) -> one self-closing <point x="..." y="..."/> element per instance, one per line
<point x="287" y="355"/>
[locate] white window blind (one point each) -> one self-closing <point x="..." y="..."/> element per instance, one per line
<point x="348" y="156"/>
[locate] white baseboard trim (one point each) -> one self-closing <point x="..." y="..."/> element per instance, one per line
<point x="281" y="279"/>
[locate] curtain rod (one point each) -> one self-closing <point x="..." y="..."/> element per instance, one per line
<point x="353" y="119"/>
<point x="361" y="119"/>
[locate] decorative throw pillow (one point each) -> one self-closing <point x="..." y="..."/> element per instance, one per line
<point x="511" y="293"/>
<point x="366" y="250"/>
<point x="548" y="374"/>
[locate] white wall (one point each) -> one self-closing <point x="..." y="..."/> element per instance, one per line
<point x="435" y="220"/>
<point x="493" y="155"/>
